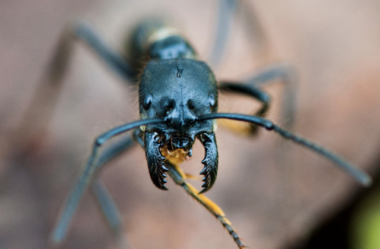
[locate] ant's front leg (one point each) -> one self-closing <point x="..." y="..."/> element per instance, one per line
<point x="104" y="200"/>
<point x="94" y="164"/>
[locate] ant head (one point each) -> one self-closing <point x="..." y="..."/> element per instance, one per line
<point x="178" y="91"/>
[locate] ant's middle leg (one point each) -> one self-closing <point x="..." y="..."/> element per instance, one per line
<point x="251" y="88"/>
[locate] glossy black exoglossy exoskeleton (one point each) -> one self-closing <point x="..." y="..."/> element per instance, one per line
<point x="178" y="90"/>
<point x="178" y="103"/>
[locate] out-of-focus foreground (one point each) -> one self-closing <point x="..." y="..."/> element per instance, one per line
<point x="334" y="45"/>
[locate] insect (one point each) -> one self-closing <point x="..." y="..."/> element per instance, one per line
<point x="178" y="104"/>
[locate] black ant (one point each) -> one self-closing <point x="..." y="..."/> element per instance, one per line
<point x="178" y="103"/>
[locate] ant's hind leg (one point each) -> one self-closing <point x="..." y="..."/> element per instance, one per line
<point x="259" y="43"/>
<point x="83" y="32"/>
<point x="179" y="178"/>
<point x="251" y="88"/>
<point x="225" y="14"/>
<point x="252" y="29"/>
<point x="110" y="213"/>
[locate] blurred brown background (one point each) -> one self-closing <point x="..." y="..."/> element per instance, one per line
<point x="334" y="45"/>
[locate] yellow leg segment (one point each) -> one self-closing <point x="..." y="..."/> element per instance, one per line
<point x="238" y="127"/>
<point x="179" y="178"/>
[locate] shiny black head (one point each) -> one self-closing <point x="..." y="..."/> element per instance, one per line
<point x="178" y="91"/>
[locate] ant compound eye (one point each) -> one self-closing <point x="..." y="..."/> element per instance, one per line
<point x="211" y="100"/>
<point x="147" y="101"/>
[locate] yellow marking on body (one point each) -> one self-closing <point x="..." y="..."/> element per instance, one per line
<point x="162" y="33"/>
